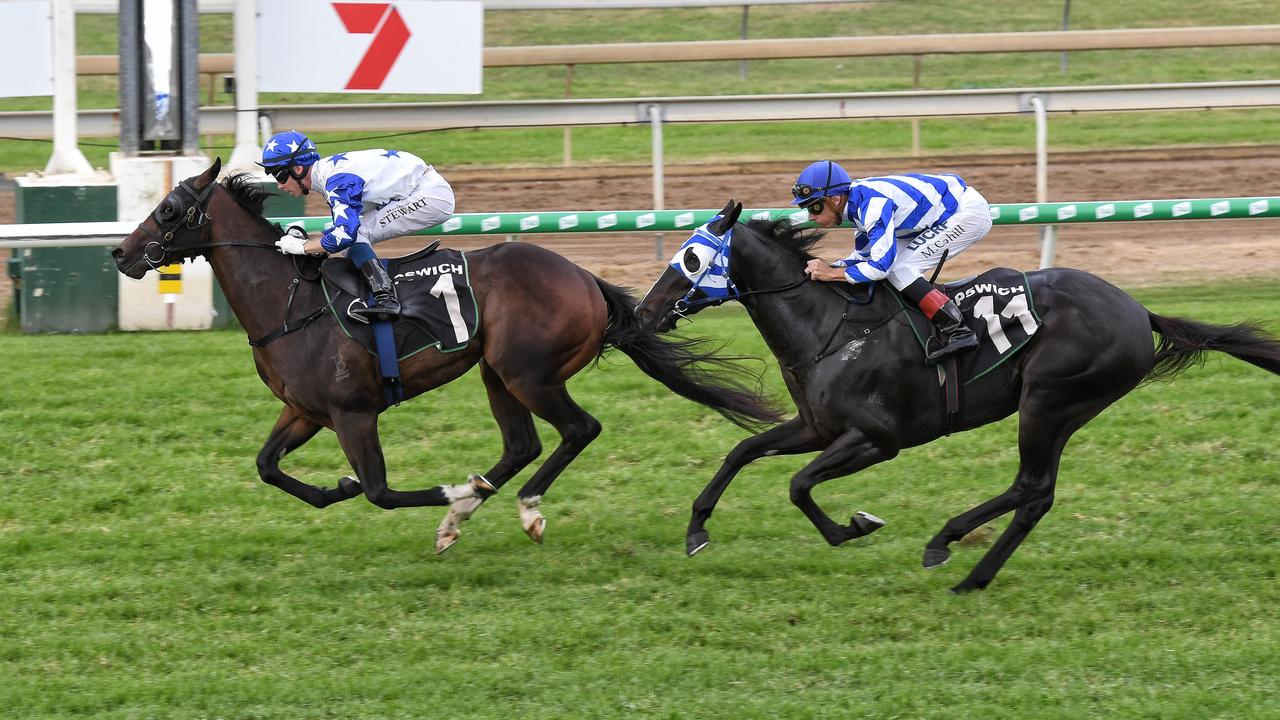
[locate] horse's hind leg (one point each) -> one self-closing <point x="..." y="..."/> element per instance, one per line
<point x="577" y="429"/>
<point x="520" y="446"/>
<point x="290" y="432"/>
<point x="1047" y="422"/>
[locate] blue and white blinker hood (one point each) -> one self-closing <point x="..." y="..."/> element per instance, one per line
<point x="704" y="260"/>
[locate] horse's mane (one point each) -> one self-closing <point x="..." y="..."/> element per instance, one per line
<point x="246" y="190"/>
<point x="794" y="239"/>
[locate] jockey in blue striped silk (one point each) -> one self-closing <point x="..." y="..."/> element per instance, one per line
<point x="902" y="224"/>
<point x="373" y="195"/>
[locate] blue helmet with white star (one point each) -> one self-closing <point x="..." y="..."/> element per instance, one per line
<point x="287" y="149"/>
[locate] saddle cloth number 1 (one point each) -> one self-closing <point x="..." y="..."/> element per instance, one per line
<point x="444" y="288"/>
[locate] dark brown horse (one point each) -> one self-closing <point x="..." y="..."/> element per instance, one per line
<point x="863" y="392"/>
<point x="544" y="320"/>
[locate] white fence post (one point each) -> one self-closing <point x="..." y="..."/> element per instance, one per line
<point x="659" y="176"/>
<point x="247" y="146"/>
<point x="66" y="157"/>
<point x="1048" y="233"/>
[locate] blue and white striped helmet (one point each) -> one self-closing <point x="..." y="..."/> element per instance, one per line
<point x="287" y="149"/>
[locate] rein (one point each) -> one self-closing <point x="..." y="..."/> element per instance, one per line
<point x="683" y="305"/>
<point x="827" y="349"/>
<point x="194" y="217"/>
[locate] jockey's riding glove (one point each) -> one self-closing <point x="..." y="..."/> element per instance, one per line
<point x="292" y="242"/>
<point x="291" y="245"/>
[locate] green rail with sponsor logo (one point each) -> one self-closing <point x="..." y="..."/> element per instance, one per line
<point x="523" y="223"/>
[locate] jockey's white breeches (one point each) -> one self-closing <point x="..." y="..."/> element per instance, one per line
<point x="427" y="205"/>
<point x="970" y="222"/>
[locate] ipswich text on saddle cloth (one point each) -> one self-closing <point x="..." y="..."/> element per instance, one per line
<point x="430" y="271"/>
<point x="987" y="289"/>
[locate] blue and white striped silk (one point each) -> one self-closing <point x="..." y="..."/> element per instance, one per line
<point x="886" y="209"/>
<point x="704" y="259"/>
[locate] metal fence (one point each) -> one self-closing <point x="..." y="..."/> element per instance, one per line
<point x="651" y="221"/>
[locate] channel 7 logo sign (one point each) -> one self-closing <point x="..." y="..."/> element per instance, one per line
<point x="390" y="35"/>
<point x="374" y="46"/>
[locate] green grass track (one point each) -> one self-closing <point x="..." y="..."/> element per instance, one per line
<point x="145" y="571"/>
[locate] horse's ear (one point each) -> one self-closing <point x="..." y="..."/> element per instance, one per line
<point x="211" y="174"/>
<point x="728" y="217"/>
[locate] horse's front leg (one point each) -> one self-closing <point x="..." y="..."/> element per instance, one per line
<point x="791" y="437"/>
<point x="358" y="436"/>
<point x="851" y="452"/>
<point x="290" y="432"/>
<point x="520" y="446"/>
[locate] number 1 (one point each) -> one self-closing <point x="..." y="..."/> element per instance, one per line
<point x="444" y="288"/>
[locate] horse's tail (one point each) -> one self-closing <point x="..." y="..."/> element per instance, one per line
<point x="1183" y="343"/>
<point x="687" y="366"/>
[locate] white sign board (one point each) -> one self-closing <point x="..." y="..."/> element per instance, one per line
<point x="405" y="46"/>
<point x="28" y="53"/>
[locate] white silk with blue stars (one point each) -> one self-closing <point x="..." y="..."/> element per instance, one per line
<point x="359" y="181"/>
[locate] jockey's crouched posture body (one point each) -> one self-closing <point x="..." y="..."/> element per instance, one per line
<point x="902" y="224"/>
<point x="373" y="195"/>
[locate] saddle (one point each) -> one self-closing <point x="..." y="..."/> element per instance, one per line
<point x="437" y="307"/>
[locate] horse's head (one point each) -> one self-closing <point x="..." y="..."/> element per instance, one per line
<point x="177" y="229"/>
<point x="697" y="276"/>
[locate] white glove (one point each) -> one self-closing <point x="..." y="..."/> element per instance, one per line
<point x="291" y="245"/>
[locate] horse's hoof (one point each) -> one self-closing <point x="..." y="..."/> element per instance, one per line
<point x="482" y="487"/>
<point x="865" y="522"/>
<point x="966" y="587"/>
<point x="936" y="558"/>
<point x="445" y="540"/>
<point x="535" y="528"/>
<point x="349" y="487"/>
<point x="696" y="542"/>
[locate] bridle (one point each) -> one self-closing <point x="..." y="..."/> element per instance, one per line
<point x="686" y="304"/>
<point x="175" y="214"/>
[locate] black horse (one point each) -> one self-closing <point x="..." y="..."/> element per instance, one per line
<point x="857" y="376"/>
<point x="545" y="319"/>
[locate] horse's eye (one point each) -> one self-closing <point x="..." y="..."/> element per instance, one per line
<point x="167" y="211"/>
<point x="692" y="263"/>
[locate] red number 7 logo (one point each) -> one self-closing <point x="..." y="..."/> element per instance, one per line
<point x="390" y="35"/>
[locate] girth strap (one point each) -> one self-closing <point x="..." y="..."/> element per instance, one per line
<point x="388" y="366"/>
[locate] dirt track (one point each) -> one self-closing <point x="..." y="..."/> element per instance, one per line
<point x="1126" y="253"/>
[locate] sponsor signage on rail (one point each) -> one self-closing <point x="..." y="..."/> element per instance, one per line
<point x="406" y="46"/>
<point x="28" y="54"/>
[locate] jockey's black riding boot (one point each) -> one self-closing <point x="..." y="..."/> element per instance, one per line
<point x="385" y="305"/>
<point x="945" y="315"/>
<point x="955" y="335"/>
